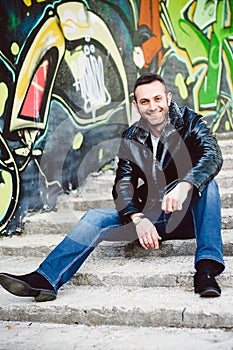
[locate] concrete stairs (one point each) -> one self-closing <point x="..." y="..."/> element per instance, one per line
<point x="122" y="285"/>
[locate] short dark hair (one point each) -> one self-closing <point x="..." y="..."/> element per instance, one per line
<point x="148" y="78"/>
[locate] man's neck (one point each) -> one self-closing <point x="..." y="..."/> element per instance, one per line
<point x="157" y="131"/>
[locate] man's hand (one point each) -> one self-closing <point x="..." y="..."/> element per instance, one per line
<point x="174" y="199"/>
<point x="147" y="234"/>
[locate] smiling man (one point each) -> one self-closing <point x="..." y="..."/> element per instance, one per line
<point x="164" y="189"/>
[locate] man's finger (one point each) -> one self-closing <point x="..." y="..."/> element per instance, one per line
<point x="166" y="205"/>
<point x="154" y="240"/>
<point x="141" y="241"/>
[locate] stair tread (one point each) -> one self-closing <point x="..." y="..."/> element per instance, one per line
<point x="119" y="305"/>
<point x="41" y="244"/>
<point x="27" y="336"/>
<point x="139" y="267"/>
<point x="68" y="215"/>
<point x="49" y="240"/>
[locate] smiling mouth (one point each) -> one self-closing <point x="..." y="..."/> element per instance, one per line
<point x="154" y="115"/>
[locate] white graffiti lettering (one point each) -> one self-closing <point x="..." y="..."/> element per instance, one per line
<point x="89" y="80"/>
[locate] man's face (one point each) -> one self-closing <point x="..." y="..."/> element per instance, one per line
<point x="153" y="105"/>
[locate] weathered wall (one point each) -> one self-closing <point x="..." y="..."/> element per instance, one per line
<point x="67" y="69"/>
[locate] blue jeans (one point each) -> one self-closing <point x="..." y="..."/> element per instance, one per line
<point x="201" y="219"/>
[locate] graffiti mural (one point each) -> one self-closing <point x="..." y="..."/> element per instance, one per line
<point x="61" y="66"/>
<point x="67" y="70"/>
<point x="199" y="34"/>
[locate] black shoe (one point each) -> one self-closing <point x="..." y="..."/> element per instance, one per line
<point x="206" y="285"/>
<point x="31" y="285"/>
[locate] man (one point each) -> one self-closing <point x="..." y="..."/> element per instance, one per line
<point x="164" y="189"/>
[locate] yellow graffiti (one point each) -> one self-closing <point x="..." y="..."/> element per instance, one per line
<point x="227" y="125"/>
<point x="15" y="49"/>
<point x="101" y="154"/>
<point x="9" y="184"/>
<point x="180" y="83"/>
<point x="48" y="37"/>
<point x="78" y="140"/>
<point x="6" y="192"/>
<point x="29" y="2"/>
<point x="4" y="95"/>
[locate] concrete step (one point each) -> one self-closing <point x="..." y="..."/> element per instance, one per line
<point x="227" y="151"/>
<point x="228" y="162"/>
<point x="84" y="203"/>
<point x="125" y="292"/>
<point x="224" y="136"/>
<point x="52" y="336"/>
<point x="96" y="192"/>
<point x="227" y="218"/>
<point x="226" y="146"/>
<point x="61" y="221"/>
<point x="57" y="222"/>
<point x="123" y="306"/>
<point x="144" y="272"/>
<point x="226" y="197"/>
<point x="39" y="245"/>
<point x="225" y="180"/>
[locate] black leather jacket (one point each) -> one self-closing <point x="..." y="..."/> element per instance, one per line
<point x="187" y="151"/>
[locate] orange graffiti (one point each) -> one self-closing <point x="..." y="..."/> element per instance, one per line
<point x="149" y="16"/>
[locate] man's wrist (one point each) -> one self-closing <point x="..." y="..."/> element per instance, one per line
<point x="137" y="218"/>
<point x="186" y="185"/>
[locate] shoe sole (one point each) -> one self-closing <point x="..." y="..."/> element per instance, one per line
<point x="22" y="289"/>
<point x="45" y="295"/>
<point x="210" y="293"/>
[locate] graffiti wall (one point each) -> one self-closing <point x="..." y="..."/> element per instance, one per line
<point x="67" y="70"/>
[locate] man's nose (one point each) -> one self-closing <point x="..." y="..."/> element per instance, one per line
<point x="153" y="105"/>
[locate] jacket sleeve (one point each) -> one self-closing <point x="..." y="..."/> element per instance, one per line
<point x="205" y="153"/>
<point x="126" y="182"/>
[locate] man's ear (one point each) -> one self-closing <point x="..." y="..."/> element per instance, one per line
<point x="134" y="103"/>
<point x="169" y="98"/>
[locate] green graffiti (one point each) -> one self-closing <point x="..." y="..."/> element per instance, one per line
<point x="201" y="35"/>
<point x="209" y="90"/>
<point x="184" y="33"/>
<point x="218" y="46"/>
<point x="13" y="21"/>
